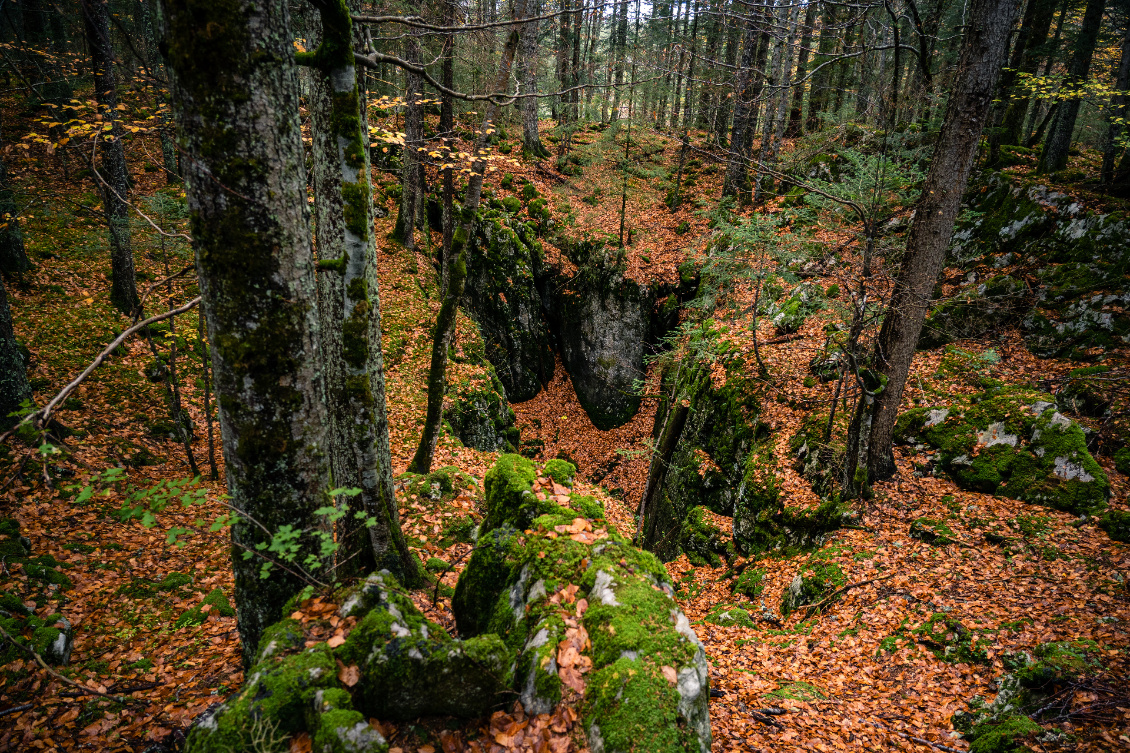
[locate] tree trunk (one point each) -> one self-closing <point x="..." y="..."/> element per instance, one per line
<point x="706" y="94"/>
<point x="722" y="116"/>
<point x="1054" y="156"/>
<point x="360" y="413"/>
<point x="984" y="50"/>
<point x="821" y="77"/>
<point x="737" y="169"/>
<point x="619" y="50"/>
<point x="1009" y="114"/>
<point x="247" y="210"/>
<point x="528" y="75"/>
<point x="406" y="219"/>
<point x="114" y="175"/>
<point x="13" y="255"/>
<point x="14" y="389"/>
<point x="1118" y="110"/>
<point x="796" y="117"/>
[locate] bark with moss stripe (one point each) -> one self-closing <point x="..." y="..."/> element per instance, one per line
<point x="236" y="104"/>
<point x="355" y="391"/>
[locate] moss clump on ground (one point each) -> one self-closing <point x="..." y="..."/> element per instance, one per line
<point x="1014" y="442"/>
<point x="750" y="583"/>
<point x="729" y="616"/>
<point x="1116" y="523"/>
<point x="788" y="315"/>
<point x="816" y="581"/>
<point x="798" y="691"/>
<point x="935" y="532"/>
<point x="216" y="602"/>
<point x="1122" y="461"/>
<point x="51" y="637"/>
<point x="951" y="641"/>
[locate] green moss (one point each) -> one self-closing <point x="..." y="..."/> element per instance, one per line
<point x="932" y="531"/>
<point x="218" y="604"/>
<point x="436" y="565"/>
<point x="702" y="541"/>
<point x="729" y="616"/>
<point x="1122" y="461"/>
<point x="817" y="580"/>
<point x="636" y="706"/>
<point x="509" y="499"/>
<point x="44" y="569"/>
<point x="561" y="471"/>
<point x="750" y="583"/>
<point x="997" y="442"/>
<point x="1057" y="663"/>
<point x="798" y="691"/>
<point x="951" y="641"/>
<point x="1116" y="523"/>
<point x="484" y="579"/>
<point x="1003" y="736"/>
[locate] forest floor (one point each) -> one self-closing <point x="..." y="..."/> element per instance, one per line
<point x="858" y="675"/>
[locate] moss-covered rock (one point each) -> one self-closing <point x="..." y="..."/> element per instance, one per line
<point x="561" y="471"/>
<point x="647" y="686"/>
<point x="1010" y="441"/>
<point x="502" y="297"/>
<point x="52" y="637"/>
<point x="816" y="581"/>
<point x="1116" y="523"/>
<point x="751" y="583"/>
<point x="1087" y="391"/>
<point x="411" y="667"/>
<point x="1078" y="259"/>
<point x="974" y="311"/>
<point x="703" y="542"/>
<point x="1122" y="461"/>
<point x="789" y="314"/>
<point x="480" y="416"/>
<point x="820" y="462"/>
<point x="1000" y="725"/>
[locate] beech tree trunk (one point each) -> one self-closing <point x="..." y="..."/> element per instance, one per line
<point x="1054" y="156"/>
<point x="14" y="388"/>
<point x="13" y="255"/>
<point x="528" y="75"/>
<point x="984" y="50"/>
<point x="357" y="399"/>
<point x="114" y="173"/>
<point x="1118" y="110"/>
<point x="247" y="210"/>
<point x="796" y="117"/>
<point x="737" y="169"/>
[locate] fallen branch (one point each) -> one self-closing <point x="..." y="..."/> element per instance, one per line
<point x="821" y="604"/>
<point x="66" y="680"/>
<point x="42" y="415"/>
<point x="15" y="709"/>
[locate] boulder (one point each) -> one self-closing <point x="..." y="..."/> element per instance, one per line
<point x="585" y="612"/>
<point x="604" y="324"/>
<point x="788" y="315"/>
<point x="974" y="311"/>
<point x="816" y="581"/>
<point x="480" y="416"/>
<point x="1078" y="258"/>
<point x="1010" y="441"/>
<point x="503" y="261"/>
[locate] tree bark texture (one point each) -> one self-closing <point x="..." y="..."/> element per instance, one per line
<point x="114" y="182"/>
<point x="13" y="255"/>
<point x="528" y="75"/>
<point x="737" y="169"/>
<point x="1054" y="156"/>
<point x="984" y="50"/>
<point x="1119" y="103"/>
<point x="14" y="388"/>
<point x="236" y="104"/>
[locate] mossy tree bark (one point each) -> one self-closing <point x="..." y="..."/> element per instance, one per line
<point x="528" y="75"/>
<point x="13" y="255"/>
<point x="445" y="321"/>
<point x="114" y="173"/>
<point x="359" y="412"/>
<point x="235" y="93"/>
<point x="984" y="51"/>
<point x="14" y="389"/>
<point x="1009" y="114"/>
<point x="411" y="198"/>
<point x="1054" y="156"/>
<point x="737" y="169"/>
